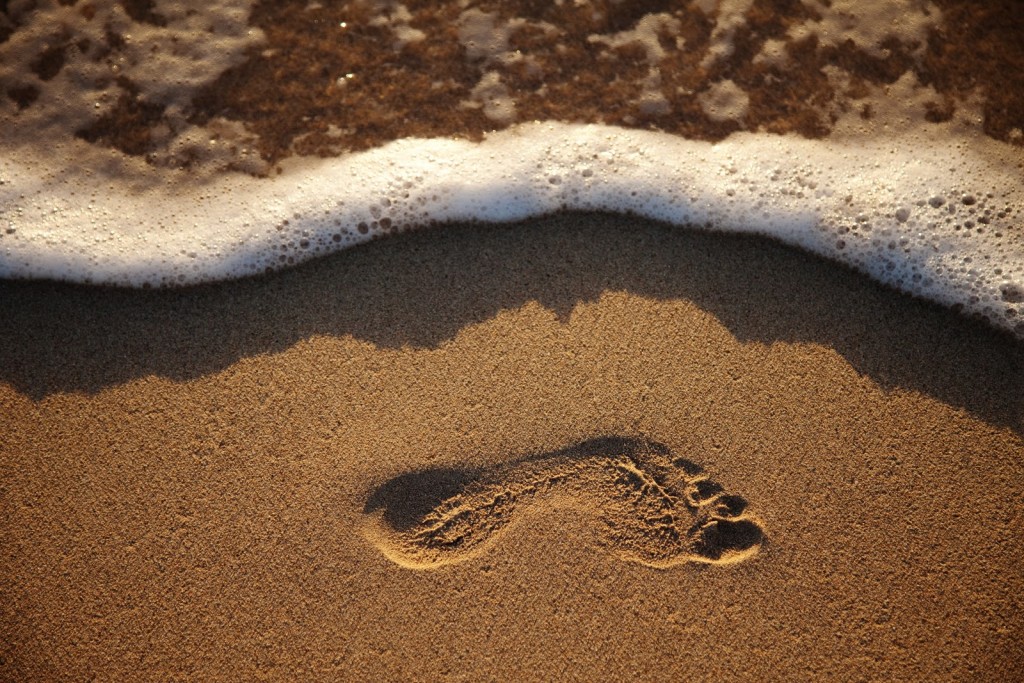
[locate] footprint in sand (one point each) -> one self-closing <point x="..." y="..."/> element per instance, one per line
<point x="656" y="509"/>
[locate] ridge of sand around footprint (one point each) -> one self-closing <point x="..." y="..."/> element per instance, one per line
<point x="657" y="509"/>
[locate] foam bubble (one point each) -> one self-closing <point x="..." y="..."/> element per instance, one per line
<point x="870" y="24"/>
<point x="932" y="209"/>
<point x="730" y="15"/>
<point x="78" y="66"/>
<point x="724" y="100"/>
<point x="933" y="219"/>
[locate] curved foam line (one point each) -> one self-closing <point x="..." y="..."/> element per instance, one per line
<point x="891" y="207"/>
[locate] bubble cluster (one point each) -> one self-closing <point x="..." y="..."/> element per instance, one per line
<point x="933" y="218"/>
<point x="124" y="74"/>
<point x="932" y="209"/>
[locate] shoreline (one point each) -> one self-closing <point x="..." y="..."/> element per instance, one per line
<point x="921" y="224"/>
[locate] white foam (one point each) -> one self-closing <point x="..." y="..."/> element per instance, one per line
<point x="730" y="15"/>
<point x="491" y="95"/>
<point x="773" y="53"/>
<point x="933" y="210"/>
<point x="483" y="36"/>
<point x="724" y="101"/>
<point x="396" y="16"/>
<point x="934" y="219"/>
<point x="166" y="65"/>
<point x="646" y="34"/>
<point x="869" y="24"/>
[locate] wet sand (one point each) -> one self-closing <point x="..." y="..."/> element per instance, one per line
<point x="248" y="480"/>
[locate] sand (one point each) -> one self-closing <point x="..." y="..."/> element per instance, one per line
<point x="382" y="465"/>
<point x="581" y="448"/>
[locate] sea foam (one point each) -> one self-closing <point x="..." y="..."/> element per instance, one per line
<point x="930" y="209"/>
<point x="930" y="218"/>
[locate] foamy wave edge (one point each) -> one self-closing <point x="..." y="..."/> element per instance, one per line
<point x="933" y="218"/>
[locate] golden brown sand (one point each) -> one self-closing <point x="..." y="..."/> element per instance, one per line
<point x="227" y="482"/>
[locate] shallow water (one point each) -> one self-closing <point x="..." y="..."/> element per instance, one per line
<point x="148" y="144"/>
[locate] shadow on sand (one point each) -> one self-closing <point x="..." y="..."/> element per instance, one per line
<point x="66" y="338"/>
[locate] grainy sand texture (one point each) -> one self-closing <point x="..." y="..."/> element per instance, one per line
<point x="583" y="447"/>
<point x="586" y="447"/>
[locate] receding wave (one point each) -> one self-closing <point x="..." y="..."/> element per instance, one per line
<point x="145" y="148"/>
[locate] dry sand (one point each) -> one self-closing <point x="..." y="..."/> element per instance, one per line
<point x="226" y="482"/>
